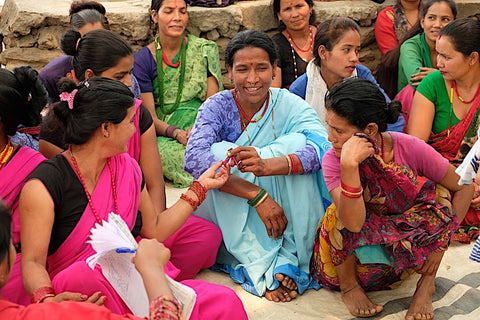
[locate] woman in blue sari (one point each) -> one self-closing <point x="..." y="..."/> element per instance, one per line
<point x="268" y="209"/>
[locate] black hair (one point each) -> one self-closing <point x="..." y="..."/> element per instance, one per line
<point x="98" y="100"/>
<point x="84" y="12"/>
<point x="361" y="102"/>
<point x="98" y="50"/>
<point x="22" y="98"/>
<point x="387" y="74"/>
<point x="464" y="34"/>
<point x="330" y="32"/>
<point x="276" y="11"/>
<point x="250" y="38"/>
<point x="5" y="230"/>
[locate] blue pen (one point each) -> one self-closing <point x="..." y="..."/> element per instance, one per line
<point x="125" y="250"/>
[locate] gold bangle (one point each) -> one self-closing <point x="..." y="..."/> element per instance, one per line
<point x="261" y="200"/>
<point x="289" y="161"/>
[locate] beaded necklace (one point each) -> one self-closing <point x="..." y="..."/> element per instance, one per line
<point x="7" y="151"/>
<point x="79" y="174"/>
<point x="294" y="56"/>
<point x="161" y="73"/>
<point x="242" y="113"/>
<point x="290" y="38"/>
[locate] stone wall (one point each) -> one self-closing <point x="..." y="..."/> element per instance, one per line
<point x="31" y="28"/>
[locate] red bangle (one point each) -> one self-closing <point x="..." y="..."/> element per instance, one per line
<point x="199" y="189"/>
<point x="41" y="294"/>
<point x="351" y="195"/>
<point x="350" y="189"/>
<point x="192" y="202"/>
<point x="294" y="163"/>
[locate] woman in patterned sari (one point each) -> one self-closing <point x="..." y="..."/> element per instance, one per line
<point x="446" y="107"/>
<point x="176" y="74"/>
<point x="372" y="178"/>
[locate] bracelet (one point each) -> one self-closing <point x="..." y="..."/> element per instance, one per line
<point x="190" y="201"/>
<point x="199" y="189"/>
<point x="163" y="307"/>
<point x="289" y="164"/>
<point x="351" y="189"/>
<point x="352" y="195"/>
<point x="293" y="158"/>
<point x="170" y="130"/>
<point x="178" y="132"/>
<point x="259" y="198"/>
<point x="41" y="294"/>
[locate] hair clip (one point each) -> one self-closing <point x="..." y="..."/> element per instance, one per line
<point x="29" y="98"/>
<point x="68" y="97"/>
<point x="86" y="84"/>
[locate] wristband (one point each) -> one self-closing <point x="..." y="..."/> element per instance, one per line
<point x="199" y="189"/>
<point x="176" y="135"/>
<point x="350" y="189"/>
<point x="293" y="158"/>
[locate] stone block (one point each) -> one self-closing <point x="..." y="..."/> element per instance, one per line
<point x="361" y="10"/>
<point x="367" y="35"/>
<point x="226" y="20"/>
<point x="27" y="41"/>
<point x="258" y="15"/>
<point x="49" y="37"/>
<point x="35" y="57"/>
<point x="213" y="35"/>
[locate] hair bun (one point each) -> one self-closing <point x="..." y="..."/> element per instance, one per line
<point x="69" y="42"/>
<point x="394" y="108"/>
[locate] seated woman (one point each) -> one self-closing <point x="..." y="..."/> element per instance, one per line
<point x="445" y="110"/>
<point x="150" y="256"/>
<point x="372" y="178"/>
<point x="295" y="42"/>
<point x="68" y="194"/>
<point x="176" y="74"/>
<point x="22" y="97"/>
<point x="104" y="53"/>
<point x="265" y="209"/>
<point x="336" y="47"/>
<point x="415" y="56"/>
<point x="85" y="16"/>
<point x="394" y="22"/>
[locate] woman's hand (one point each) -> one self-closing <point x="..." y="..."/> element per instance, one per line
<point x="417" y="77"/>
<point x="248" y="160"/>
<point x="151" y="254"/>
<point x="213" y="180"/>
<point x="182" y="137"/>
<point x="475" y="204"/>
<point x="273" y="217"/>
<point x="356" y="149"/>
<point x="95" y="298"/>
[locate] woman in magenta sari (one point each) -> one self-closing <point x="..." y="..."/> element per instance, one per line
<point x="22" y="97"/>
<point x="445" y="109"/>
<point x="372" y="178"/>
<point x="69" y="193"/>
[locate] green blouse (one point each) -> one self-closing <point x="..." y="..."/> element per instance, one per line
<point x="414" y="54"/>
<point x="434" y="89"/>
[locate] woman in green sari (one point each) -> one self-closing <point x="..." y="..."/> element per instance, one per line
<point x="176" y="73"/>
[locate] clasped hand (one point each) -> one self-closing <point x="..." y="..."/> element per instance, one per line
<point x="356" y="149"/>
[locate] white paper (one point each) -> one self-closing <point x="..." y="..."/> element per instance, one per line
<point x="121" y="272"/>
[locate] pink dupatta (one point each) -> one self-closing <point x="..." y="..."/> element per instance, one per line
<point x="134" y="142"/>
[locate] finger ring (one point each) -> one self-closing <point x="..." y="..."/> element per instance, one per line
<point x="285" y="294"/>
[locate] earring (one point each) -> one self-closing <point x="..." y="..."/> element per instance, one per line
<point x="106" y="134"/>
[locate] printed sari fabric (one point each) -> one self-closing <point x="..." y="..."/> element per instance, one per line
<point x="454" y="144"/>
<point x="407" y="222"/>
<point x="12" y="179"/>
<point x="201" y="59"/>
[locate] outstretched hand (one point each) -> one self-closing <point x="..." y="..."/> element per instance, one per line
<point x="212" y="179"/>
<point x="273" y="217"/>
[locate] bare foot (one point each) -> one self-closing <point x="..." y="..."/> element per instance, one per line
<point x="421" y="307"/>
<point x="286" y="281"/>
<point x="280" y="294"/>
<point x="358" y="303"/>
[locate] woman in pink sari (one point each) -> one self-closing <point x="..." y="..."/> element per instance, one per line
<point x="69" y="193"/>
<point x="446" y="107"/>
<point x="22" y="97"/>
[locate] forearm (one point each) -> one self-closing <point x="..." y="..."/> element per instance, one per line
<point x="34" y="276"/>
<point x="461" y="201"/>
<point x="240" y="187"/>
<point x="282" y="166"/>
<point x="156" y="283"/>
<point x="351" y="211"/>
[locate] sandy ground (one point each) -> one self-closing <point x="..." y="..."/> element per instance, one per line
<point x="458" y="277"/>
